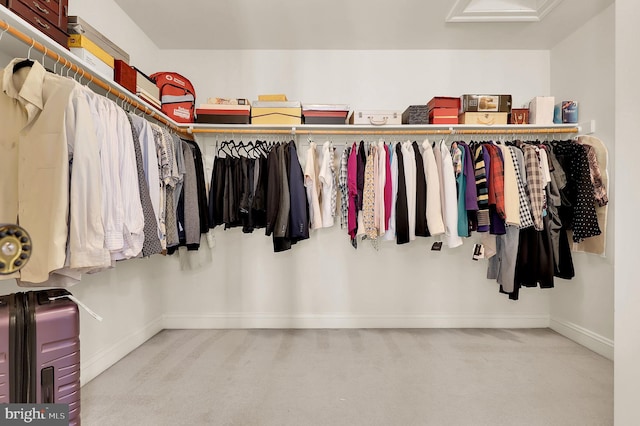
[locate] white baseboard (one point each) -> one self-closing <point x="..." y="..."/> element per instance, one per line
<point x="587" y="338"/>
<point x="107" y="357"/>
<point x="338" y="320"/>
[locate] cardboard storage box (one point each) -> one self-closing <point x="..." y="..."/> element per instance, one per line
<point x="444" y="102"/>
<point x="276" y="112"/>
<point x="541" y="110"/>
<point x="486" y="118"/>
<point x="416" y="114"/>
<point x="80" y="41"/>
<point x="325" y="113"/>
<point x="519" y="116"/>
<point x="376" y="117"/>
<point x="485" y="103"/>
<point x="566" y="112"/>
<point x="125" y="75"/>
<point x="443" y="116"/>
<point x="223" y="116"/>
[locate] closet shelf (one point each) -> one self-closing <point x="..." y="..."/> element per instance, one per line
<point x="22" y="31"/>
<point x="426" y="129"/>
<point x="25" y="34"/>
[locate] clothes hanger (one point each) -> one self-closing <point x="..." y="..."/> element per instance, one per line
<point x="25" y="62"/>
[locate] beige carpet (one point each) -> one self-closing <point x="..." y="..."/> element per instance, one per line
<point x="354" y="377"/>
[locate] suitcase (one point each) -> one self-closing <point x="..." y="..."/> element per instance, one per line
<point x="40" y="350"/>
<point x="376" y="117"/>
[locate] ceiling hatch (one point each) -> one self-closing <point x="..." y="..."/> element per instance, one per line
<point x="500" y="10"/>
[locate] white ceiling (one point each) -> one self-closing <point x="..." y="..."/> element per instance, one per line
<point x="344" y="24"/>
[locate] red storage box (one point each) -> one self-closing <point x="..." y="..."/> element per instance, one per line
<point x="444" y="102"/>
<point x="443" y="116"/>
<point x="125" y="75"/>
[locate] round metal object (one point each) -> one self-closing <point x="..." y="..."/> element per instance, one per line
<point x="15" y="248"/>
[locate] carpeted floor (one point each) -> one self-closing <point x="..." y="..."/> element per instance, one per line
<point x="354" y="377"/>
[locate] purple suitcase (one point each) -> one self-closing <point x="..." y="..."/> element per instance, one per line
<point x="40" y="350"/>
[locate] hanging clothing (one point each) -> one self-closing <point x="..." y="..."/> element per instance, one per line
<point x="390" y="235"/>
<point x="380" y="183"/>
<point x="410" y="184"/>
<point x="403" y="234"/>
<point x="580" y="215"/>
<point x="352" y="182"/>
<point x="511" y="196"/>
<point x="216" y="192"/>
<point x="48" y="122"/>
<point x="448" y="178"/>
<point x="597" y="244"/>
<point x="482" y="188"/>
<point x="151" y="243"/>
<point x="435" y="223"/>
<point x="421" y="227"/>
<point x="368" y="205"/>
<point x="299" y="208"/>
<point x="312" y="184"/>
<point x="524" y="208"/>
<point x="459" y="158"/>
<point x="327" y="180"/>
<point x="535" y="184"/>
<point x="344" y="188"/>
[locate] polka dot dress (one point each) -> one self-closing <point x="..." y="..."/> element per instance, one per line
<point x="580" y="194"/>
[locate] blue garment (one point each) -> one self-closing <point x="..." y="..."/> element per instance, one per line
<point x="461" y="182"/>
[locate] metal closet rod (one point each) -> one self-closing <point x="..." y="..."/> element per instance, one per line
<point x="59" y="59"/>
<point x="298" y="131"/>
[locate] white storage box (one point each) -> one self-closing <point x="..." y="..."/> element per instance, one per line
<point x="376" y="118"/>
<point x="100" y="67"/>
<point x="541" y="110"/>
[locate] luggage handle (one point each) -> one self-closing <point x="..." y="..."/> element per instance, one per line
<point x="378" y="123"/>
<point x="79" y="303"/>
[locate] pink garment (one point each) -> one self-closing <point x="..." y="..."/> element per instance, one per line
<point x="352" y="184"/>
<point x="388" y="189"/>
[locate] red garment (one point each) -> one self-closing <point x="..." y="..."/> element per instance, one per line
<point x="496" y="180"/>
<point x="352" y="184"/>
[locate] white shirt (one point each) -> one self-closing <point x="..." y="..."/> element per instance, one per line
<point x="312" y="185"/>
<point x="434" y="205"/>
<point x="452" y="239"/>
<point x="410" y="171"/>
<point x="328" y="183"/>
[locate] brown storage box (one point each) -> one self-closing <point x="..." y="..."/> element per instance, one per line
<point x="443" y="116"/>
<point x="125" y="75"/>
<point x="443" y="102"/>
<point x="486" y="118"/>
<point x="485" y="103"/>
<point x="519" y="116"/>
<point x="416" y="114"/>
<point x="222" y="116"/>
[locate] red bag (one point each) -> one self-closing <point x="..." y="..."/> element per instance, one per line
<point x="177" y="95"/>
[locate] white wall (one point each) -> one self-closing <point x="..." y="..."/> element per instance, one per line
<point x="108" y="18"/>
<point x="324" y="281"/>
<point x="365" y="79"/>
<point x="582" y="68"/>
<point x="627" y="295"/>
